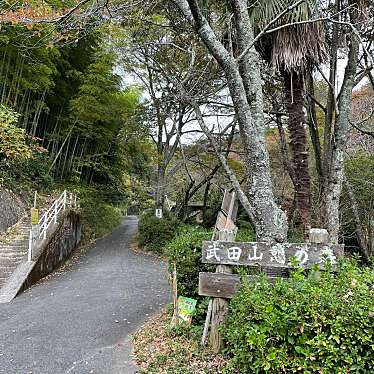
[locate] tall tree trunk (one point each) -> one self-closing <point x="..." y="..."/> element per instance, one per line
<point x="313" y="129"/>
<point x="360" y="232"/>
<point x="3" y="94"/>
<point x="160" y="187"/>
<point x="205" y="200"/>
<point x="245" y="86"/>
<point x="294" y="90"/>
<point x="341" y="134"/>
<point x="160" y="183"/>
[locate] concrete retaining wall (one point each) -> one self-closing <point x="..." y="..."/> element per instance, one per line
<point x="11" y="209"/>
<point x="57" y="249"/>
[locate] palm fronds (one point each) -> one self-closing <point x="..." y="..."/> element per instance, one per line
<point x="294" y="47"/>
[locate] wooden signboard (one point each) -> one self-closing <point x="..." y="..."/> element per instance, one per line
<point x="224" y="285"/>
<point x="218" y="284"/>
<point x="275" y="260"/>
<point x="269" y="255"/>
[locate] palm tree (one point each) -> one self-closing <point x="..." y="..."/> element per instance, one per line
<point x="292" y="50"/>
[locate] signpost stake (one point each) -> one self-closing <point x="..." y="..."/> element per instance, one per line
<point x="174" y="320"/>
<point x="29" y="254"/>
<point x="33" y="230"/>
<point x="220" y="307"/>
<point x="225" y="230"/>
<point x="35" y="197"/>
<point x="207" y="322"/>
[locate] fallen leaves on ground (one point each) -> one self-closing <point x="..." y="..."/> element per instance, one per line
<point x="158" y="348"/>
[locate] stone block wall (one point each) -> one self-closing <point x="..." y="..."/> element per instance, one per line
<point x="58" y="248"/>
<point x="11" y="209"/>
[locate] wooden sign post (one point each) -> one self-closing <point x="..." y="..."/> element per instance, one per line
<point x="224" y="230"/>
<point x="275" y="259"/>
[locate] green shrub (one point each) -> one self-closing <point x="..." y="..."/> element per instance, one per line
<point x="185" y="250"/>
<point x="318" y="324"/>
<point x="98" y="215"/>
<point x="13" y="145"/>
<point x="155" y="232"/>
<point x="245" y="234"/>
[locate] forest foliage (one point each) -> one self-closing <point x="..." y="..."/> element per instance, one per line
<point x="67" y="119"/>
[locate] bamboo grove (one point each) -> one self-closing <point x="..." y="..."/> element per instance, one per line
<point x="76" y="113"/>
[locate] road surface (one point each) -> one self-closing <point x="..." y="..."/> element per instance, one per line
<point x="81" y="321"/>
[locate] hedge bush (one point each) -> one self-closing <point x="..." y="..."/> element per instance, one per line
<point x="99" y="217"/>
<point x="185" y="250"/>
<point x="322" y="323"/>
<point x="155" y="232"/>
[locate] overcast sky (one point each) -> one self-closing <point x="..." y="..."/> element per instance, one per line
<point x="216" y="123"/>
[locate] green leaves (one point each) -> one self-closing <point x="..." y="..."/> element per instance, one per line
<point x="154" y="232"/>
<point x="305" y="324"/>
<point x="13" y="146"/>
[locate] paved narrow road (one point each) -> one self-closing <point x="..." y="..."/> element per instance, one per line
<point x="81" y="321"/>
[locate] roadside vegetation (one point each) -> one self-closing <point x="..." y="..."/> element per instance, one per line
<point x="312" y="322"/>
<point x="67" y="121"/>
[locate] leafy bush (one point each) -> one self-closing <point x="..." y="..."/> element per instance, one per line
<point x="99" y="216"/>
<point x="13" y="147"/>
<point x="24" y="164"/>
<point x="155" y="232"/>
<point x="185" y="250"/>
<point x="319" y="324"/>
<point x="245" y="235"/>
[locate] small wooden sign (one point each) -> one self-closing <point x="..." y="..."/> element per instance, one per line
<point x="269" y="255"/>
<point x="218" y="284"/>
<point x="34" y="216"/>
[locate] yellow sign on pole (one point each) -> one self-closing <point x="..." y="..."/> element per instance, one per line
<point x="34" y="216"/>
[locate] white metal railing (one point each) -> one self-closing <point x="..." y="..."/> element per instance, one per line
<point x="39" y="232"/>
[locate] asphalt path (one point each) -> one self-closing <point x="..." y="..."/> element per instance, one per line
<point x="81" y="321"/>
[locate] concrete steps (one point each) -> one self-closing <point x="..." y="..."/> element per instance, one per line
<point x="14" y="244"/>
<point x="13" y="248"/>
